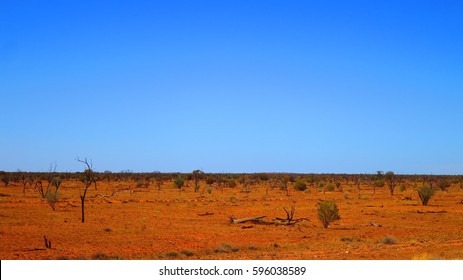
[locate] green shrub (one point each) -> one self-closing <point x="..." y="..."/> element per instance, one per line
<point x="210" y="180"/>
<point x="231" y="184"/>
<point x="328" y="212"/>
<point x="425" y="193"/>
<point x="178" y="182"/>
<point x="300" y="185"/>
<point x="5" y="179"/>
<point x="330" y="187"/>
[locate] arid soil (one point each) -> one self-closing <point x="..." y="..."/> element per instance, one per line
<point x="140" y="223"/>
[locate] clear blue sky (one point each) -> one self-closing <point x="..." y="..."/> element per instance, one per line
<point x="232" y="86"/>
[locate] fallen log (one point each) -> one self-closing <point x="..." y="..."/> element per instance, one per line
<point x="257" y="219"/>
<point x="205" y="214"/>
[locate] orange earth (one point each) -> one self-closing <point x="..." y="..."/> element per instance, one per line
<point x="147" y="224"/>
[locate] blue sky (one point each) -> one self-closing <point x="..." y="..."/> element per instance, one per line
<point x="232" y="86"/>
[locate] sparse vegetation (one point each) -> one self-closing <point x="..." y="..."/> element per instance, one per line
<point x="147" y="212"/>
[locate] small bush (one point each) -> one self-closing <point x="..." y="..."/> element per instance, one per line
<point x="425" y="193"/>
<point x="378" y="183"/>
<point x="389" y="240"/>
<point x="253" y="247"/>
<point x="103" y="256"/>
<point x="210" y="180"/>
<point x="139" y="184"/>
<point x="300" y="186"/>
<point x="327" y="213"/>
<point x="5" y="179"/>
<point x="56" y="181"/>
<point x="346" y="195"/>
<point x="52" y="199"/>
<point x="330" y="187"/>
<point x="443" y="184"/>
<point x="226" y="248"/>
<point x="350" y="239"/>
<point x="187" y="253"/>
<point x="178" y="182"/>
<point x="231" y="184"/>
<point x="172" y="255"/>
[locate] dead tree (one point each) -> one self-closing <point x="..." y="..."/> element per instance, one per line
<point x="25" y="178"/>
<point x="88" y="178"/>
<point x="290" y="217"/>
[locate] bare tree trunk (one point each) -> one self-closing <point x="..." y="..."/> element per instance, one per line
<point x="82" y="199"/>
